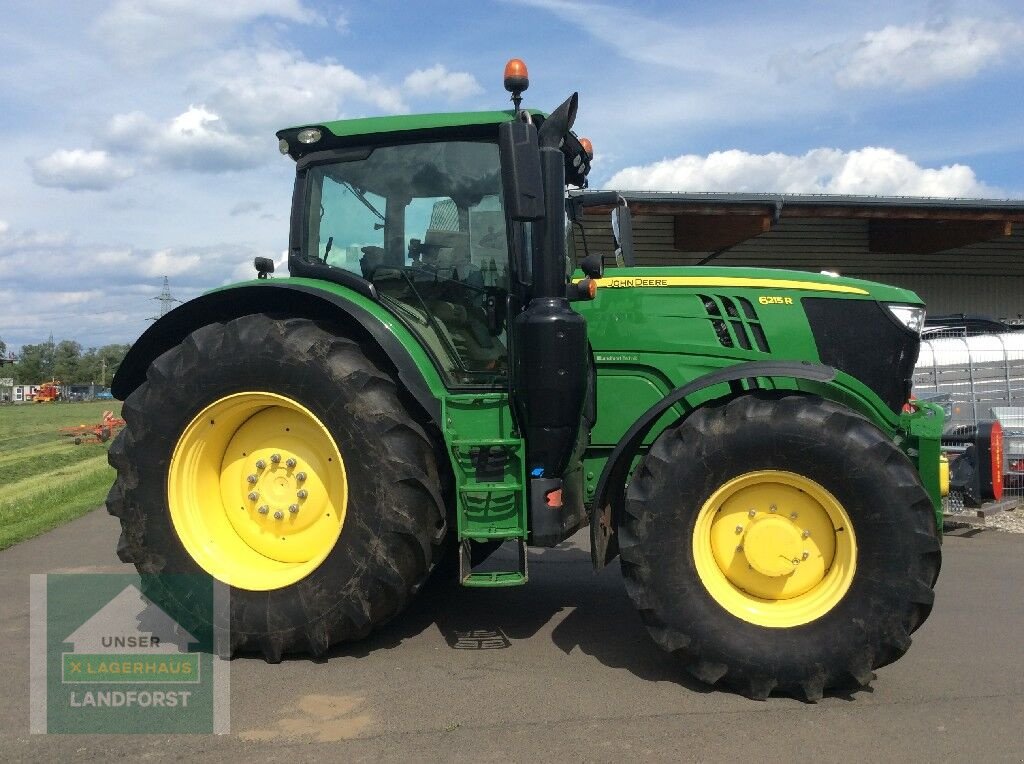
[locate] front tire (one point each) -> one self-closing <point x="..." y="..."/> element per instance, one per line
<point x="275" y="456"/>
<point x="779" y="542"/>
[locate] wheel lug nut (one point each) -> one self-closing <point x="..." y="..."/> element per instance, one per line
<point x="806" y="534"/>
<point x="806" y="555"/>
<point x="291" y="464"/>
<point x="302" y="493"/>
<point x="263" y="509"/>
<point x="260" y="464"/>
<point x="773" y="508"/>
<point x="293" y="508"/>
<point x="253" y="495"/>
<point x="739" y="529"/>
<point x="752" y="512"/>
<point x="300" y="476"/>
<point x="279" y="515"/>
<point x="275" y="458"/>
<point x="793" y="515"/>
<point x="739" y="548"/>
<point x="252" y="479"/>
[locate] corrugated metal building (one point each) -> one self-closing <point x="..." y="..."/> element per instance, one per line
<point x="960" y="256"/>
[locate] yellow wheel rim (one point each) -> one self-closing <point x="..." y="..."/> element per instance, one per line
<point x="257" y="491"/>
<point x="775" y="548"/>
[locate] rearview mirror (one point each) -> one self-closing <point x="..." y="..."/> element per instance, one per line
<point x="592" y="266"/>
<point x="622" y="228"/>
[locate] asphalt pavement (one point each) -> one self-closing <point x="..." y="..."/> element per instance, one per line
<point x="562" y="669"/>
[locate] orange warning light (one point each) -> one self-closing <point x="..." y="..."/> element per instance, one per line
<point x="517" y="79"/>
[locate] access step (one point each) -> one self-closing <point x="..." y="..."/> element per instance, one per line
<point x="492" y="578"/>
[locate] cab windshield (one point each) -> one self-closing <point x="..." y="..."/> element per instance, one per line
<point x="425" y="224"/>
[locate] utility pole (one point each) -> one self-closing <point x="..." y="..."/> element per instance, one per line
<point x="166" y="301"/>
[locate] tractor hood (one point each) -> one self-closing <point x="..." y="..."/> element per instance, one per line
<point x="868" y="330"/>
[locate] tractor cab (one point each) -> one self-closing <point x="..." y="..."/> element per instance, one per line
<point x="413" y="212"/>
<point x="423" y="225"/>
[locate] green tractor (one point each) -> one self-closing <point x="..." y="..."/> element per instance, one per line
<point x="432" y="381"/>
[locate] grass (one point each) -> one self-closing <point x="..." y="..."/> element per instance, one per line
<point x="45" y="479"/>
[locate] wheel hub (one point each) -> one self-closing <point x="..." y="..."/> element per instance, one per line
<point x="257" y="490"/>
<point x="774" y="548"/>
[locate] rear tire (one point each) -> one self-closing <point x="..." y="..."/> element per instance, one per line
<point x="693" y="588"/>
<point x="393" y="512"/>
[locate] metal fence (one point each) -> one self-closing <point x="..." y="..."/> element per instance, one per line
<point x="978" y="378"/>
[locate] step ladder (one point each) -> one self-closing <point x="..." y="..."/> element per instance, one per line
<point x="488" y="462"/>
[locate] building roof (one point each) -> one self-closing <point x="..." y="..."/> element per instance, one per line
<point x="817" y="205"/>
<point x="716" y="222"/>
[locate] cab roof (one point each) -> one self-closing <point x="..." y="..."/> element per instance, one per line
<point x="346" y="132"/>
<point x="344" y="128"/>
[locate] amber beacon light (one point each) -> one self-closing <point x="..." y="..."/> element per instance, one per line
<point x="517" y="79"/>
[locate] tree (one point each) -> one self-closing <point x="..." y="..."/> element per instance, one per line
<point x="35" y="363"/>
<point x="97" y="365"/>
<point x="66" y="361"/>
<point x="66" y="357"/>
<point x="3" y="348"/>
<point x="112" y="356"/>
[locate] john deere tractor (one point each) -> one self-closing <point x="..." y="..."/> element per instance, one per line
<point x="432" y="380"/>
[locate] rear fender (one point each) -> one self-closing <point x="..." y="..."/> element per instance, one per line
<point x="301" y="298"/>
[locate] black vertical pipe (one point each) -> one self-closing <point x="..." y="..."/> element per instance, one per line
<point x="549" y="233"/>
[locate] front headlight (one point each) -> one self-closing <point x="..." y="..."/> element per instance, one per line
<point x="911" y="316"/>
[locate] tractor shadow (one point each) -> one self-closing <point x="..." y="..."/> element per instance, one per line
<point x="590" y="611"/>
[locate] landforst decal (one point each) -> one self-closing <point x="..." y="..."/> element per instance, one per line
<point x="106" y="658"/>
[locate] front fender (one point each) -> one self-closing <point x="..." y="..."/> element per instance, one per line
<point x="305" y="298"/>
<point x="823" y="380"/>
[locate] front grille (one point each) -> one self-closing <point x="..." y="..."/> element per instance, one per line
<point x="735" y="322"/>
<point x="863" y="339"/>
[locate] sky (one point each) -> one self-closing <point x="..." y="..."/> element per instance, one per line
<point x="138" y="135"/>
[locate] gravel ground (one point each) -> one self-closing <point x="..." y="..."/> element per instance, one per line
<point x="1010" y="522"/>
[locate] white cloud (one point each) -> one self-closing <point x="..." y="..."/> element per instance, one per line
<point x="99" y="294"/>
<point x="79" y="169"/>
<point x="4" y="226"/>
<point x="871" y="170"/>
<point x="166" y="262"/>
<point x="71" y="299"/>
<point x="424" y="83"/>
<point x="197" y="139"/>
<point x="245" y="207"/>
<point x="150" y="30"/>
<point x="921" y="55"/>
<point x="265" y="89"/>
